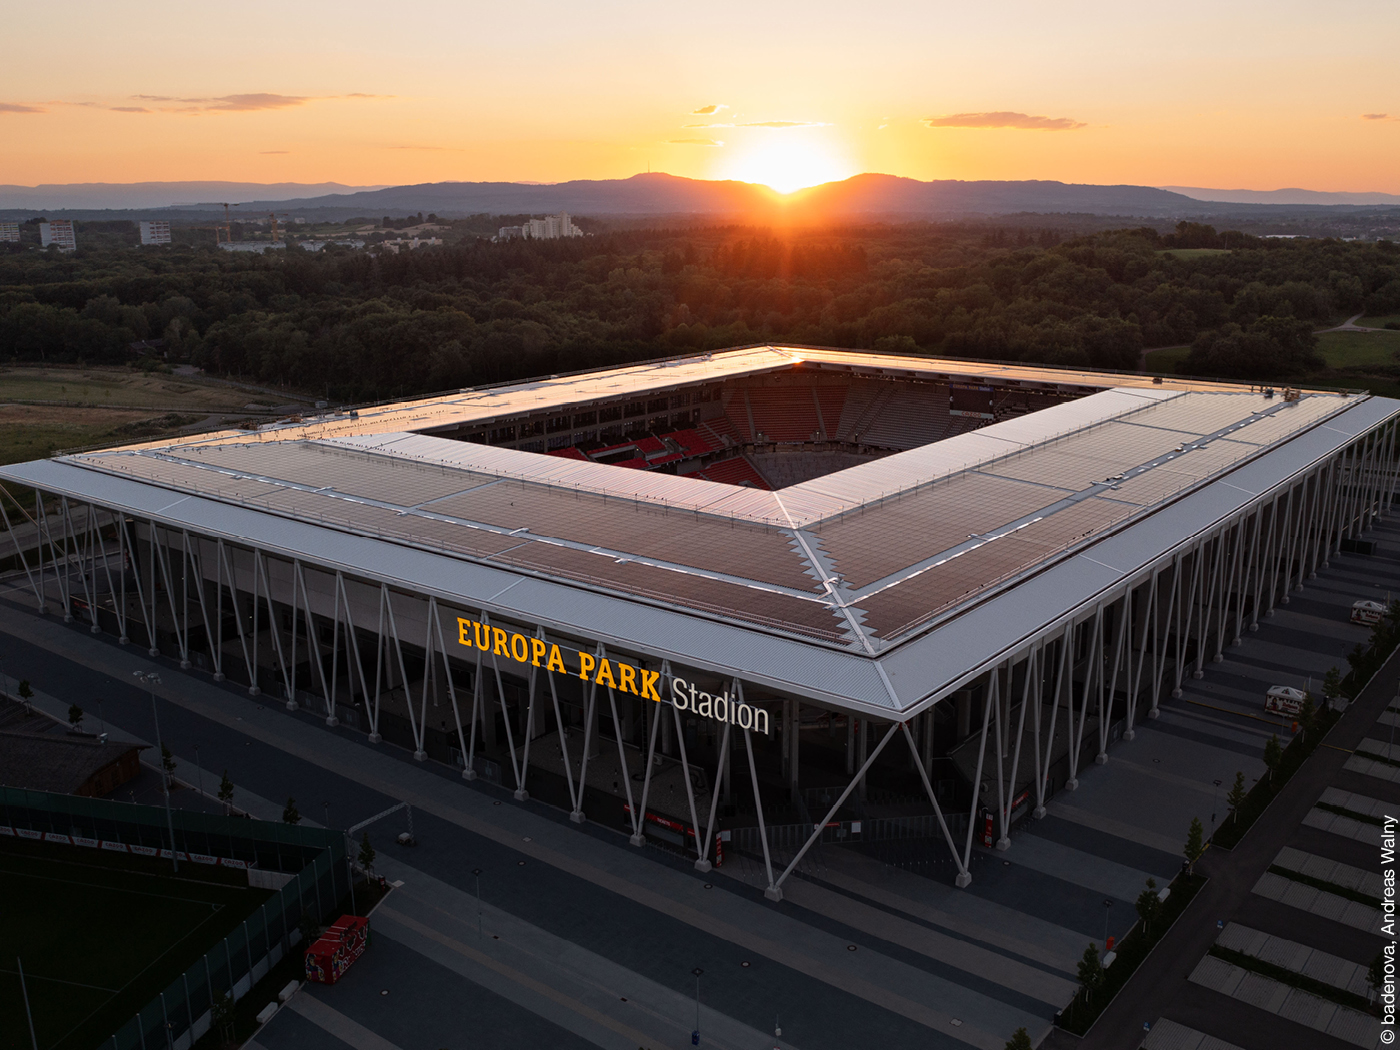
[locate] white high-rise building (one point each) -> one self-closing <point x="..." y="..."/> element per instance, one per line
<point x="550" y="228"/>
<point x="59" y="232"/>
<point x="9" y="231"/>
<point x="155" y="232"/>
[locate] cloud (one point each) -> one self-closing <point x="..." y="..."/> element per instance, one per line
<point x="785" y="124"/>
<point x="708" y="111"/>
<point x="14" y="107"/>
<point x="696" y="142"/>
<point x="1375" y="116"/>
<point x="688" y="126"/>
<point x="128" y="109"/>
<point x="246" y="103"/>
<point x="1019" y="121"/>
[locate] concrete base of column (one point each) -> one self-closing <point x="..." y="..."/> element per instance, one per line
<point x="331" y="720"/>
<point x="1072" y="784"/>
<point x="292" y="705"/>
<point x="254" y="691"/>
<point x="774" y="893"/>
<point x="375" y="738"/>
<point x="964" y="880"/>
<point x="1284" y="600"/>
<point x="577" y="816"/>
<point x="1153" y="713"/>
<point x="123" y="640"/>
<point x="1253" y="627"/>
<point x="1003" y="843"/>
<point x="219" y="676"/>
<point x="1129" y="734"/>
<point x="67" y="617"/>
<point x="1176" y="694"/>
<point x="1038" y="813"/>
<point x="637" y="840"/>
<point x="153" y="652"/>
<point x="1269" y="615"/>
<point x="420" y="756"/>
<point x="43" y="610"/>
<point x="704" y="866"/>
<point x="1217" y="658"/>
<point x="94" y="629"/>
<point x="1235" y="641"/>
<point x="521" y="795"/>
<point x="1198" y="674"/>
<point x="184" y="665"/>
<point x="1101" y="759"/>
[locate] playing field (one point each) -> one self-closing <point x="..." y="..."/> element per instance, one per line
<point x="100" y="935"/>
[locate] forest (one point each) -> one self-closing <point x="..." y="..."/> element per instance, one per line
<point x="361" y="326"/>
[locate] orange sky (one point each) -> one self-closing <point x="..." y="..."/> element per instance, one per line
<point x="1240" y="94"/>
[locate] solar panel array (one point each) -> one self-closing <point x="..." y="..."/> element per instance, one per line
<point x="898" y="561"/>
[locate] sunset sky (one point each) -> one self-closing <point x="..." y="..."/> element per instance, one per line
<point x="1223" y="93"/>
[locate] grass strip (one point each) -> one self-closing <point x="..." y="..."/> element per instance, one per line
<point x="1321" y="989"/>
<point x="1342" y="811"/>
<point x="1330" y="887"/>
<point x="1228" y="835"/>
<point x="1085" y="1008"/>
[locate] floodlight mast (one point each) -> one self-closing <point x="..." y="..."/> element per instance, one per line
<point x="152" y="680"/>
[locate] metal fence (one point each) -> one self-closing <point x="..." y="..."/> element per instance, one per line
<point x="311" y="860"/>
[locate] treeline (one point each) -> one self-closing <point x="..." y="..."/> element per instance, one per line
<point x="366" y="326"/>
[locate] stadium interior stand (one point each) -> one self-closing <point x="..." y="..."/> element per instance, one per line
<point x="772" y="430"/>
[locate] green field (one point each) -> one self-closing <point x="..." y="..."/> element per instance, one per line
<point x="1379" y="321"/>
<point x="1359" y="350"/>
<point x="1193" y="253"/>
<point x="100" y="935"/>
<point x="1166" y="360"/>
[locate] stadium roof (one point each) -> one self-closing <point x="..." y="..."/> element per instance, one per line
<point x="831" y="586"/>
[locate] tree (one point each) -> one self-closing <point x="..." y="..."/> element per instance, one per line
<point x="289" y="812"/>
<point x="223" y="1008"/>
<point x="367" y="854"/>
<point x="75" y="716"/>
<point x="1237" y="794"/>
<point x="1273" y="754"/>
<point x="1019" y="1040"/>
<point x="1195" y="843"/>
<point x="1308" y="715"/>
<point x="1149" y="905"/>
<point x="25" y="693"/>
<point x="167" y="762"/>
<point x="1090" y="970"/>
<point x="1332" y="684"/>
<point x="226" y="791"/>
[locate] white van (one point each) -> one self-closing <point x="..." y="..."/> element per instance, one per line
<point x="1367" y="612"/>
<point x="1284" y="700"/>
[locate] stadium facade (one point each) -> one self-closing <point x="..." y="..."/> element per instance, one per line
<point x="767" y="597"/>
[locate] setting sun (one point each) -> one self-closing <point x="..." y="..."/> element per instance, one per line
<point x="787" y="162"/>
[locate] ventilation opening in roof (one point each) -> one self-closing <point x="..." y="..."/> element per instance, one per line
<point x="766" y="431"/>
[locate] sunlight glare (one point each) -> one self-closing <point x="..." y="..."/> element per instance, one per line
<point x="787" y="162"/>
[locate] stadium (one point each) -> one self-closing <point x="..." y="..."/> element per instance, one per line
<point x="751" y="599"/>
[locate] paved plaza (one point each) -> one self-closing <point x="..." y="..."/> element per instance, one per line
<point x="581" y="939"/>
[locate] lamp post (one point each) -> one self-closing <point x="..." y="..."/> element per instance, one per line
<point x="695" y="1035"/>
<point x="152" y="680"/>
<point x="477" y="873"/>
<point x="1214" y="803"/>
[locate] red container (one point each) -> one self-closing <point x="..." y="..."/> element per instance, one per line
<point x="336" y="949"/>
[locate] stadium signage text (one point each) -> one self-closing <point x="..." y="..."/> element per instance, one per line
<point x="538" y="653"/>
<point x="615" y="674"/>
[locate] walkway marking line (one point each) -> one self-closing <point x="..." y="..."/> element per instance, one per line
<point x="331" y="1020"/>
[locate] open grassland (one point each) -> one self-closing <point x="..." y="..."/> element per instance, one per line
<point x="1193" y="253"/>
<point x="37" y="431"/>
<point x="1379" y="321"/>
<point x="100" y="938"/>
<point x="121" y="388"/>
<point x="1359" y="350"/>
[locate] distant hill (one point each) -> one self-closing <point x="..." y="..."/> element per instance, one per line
<point x="1291" y="196"/>
<point x="860" y="198"/>
<point x="144" y="195"/>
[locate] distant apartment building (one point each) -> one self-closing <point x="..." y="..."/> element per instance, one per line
<point x="9" y="231"/>
<point x="256" y="247"/>
<point x="550" y="228"/>
<point x="59" y="232"/>
<point x="409" y="243"/>
<point x="155" y="232"/>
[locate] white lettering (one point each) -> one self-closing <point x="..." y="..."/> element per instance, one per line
<point x="678" y="698"/>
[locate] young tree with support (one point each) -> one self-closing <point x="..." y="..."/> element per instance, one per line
<point x="1195" y="844"/>
<point x="1020" y="1040"/>
<point x="1273" y="755"/>
<point x="1090" y="971"/>
<point x="167" y="764"/>
<point x="367" y="855"/>
<point x="75" y="716"/>
<point x="1237" y="794"/>
<point x="1149" y="905"/>
<point x="289" y="812"/>
<point x="226" y="792"/>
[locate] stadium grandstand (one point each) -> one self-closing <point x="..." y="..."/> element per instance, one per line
<point x="744" y="598"/>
